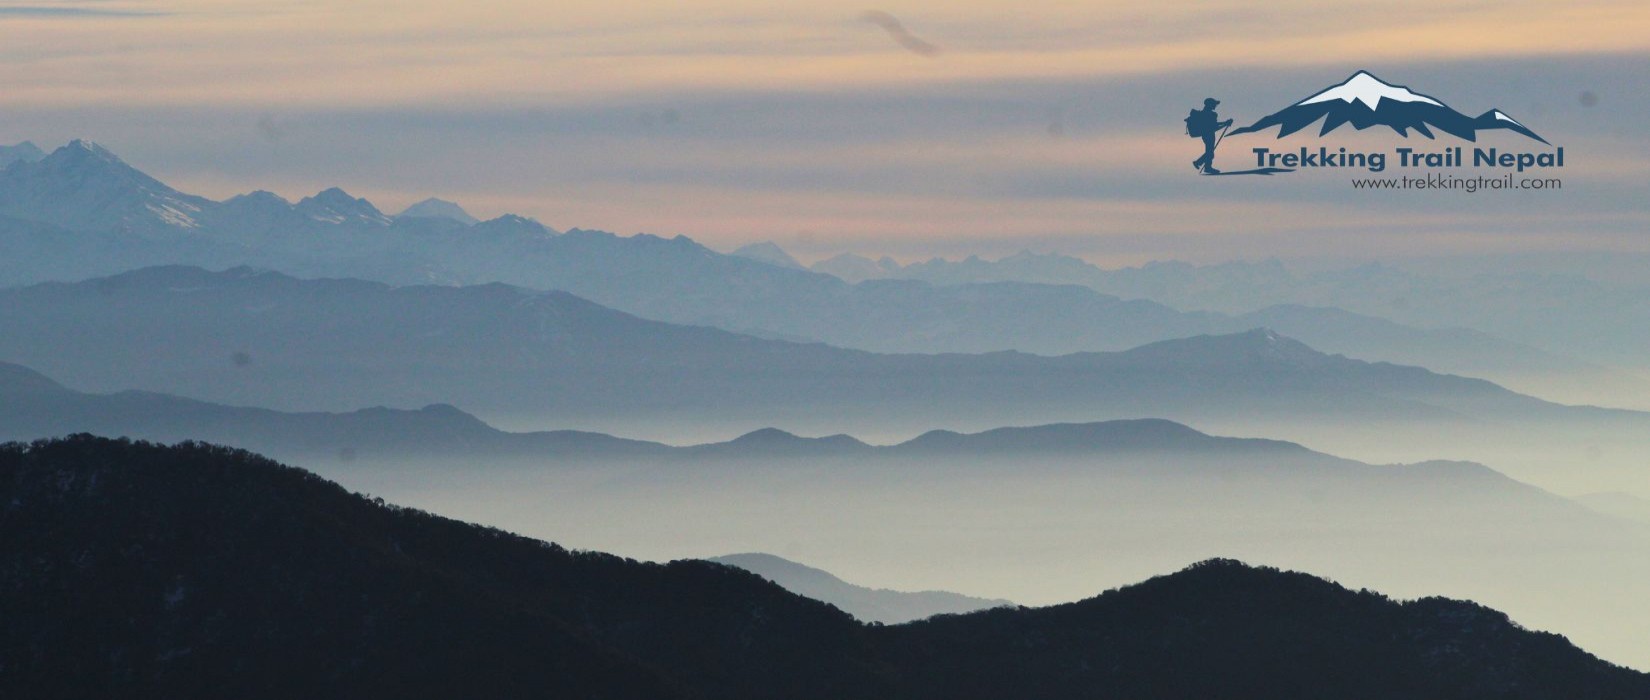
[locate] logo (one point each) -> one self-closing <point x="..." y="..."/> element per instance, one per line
<point x="1364" y="101"/>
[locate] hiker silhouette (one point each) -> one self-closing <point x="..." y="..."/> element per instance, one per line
<point x="1205" y="124"/>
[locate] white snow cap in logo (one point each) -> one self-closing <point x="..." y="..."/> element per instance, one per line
<point x="1369" y="90"/>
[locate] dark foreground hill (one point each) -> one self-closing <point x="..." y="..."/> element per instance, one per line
<point x="135" y="570"/>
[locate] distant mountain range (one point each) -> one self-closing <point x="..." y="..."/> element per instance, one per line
<point x="264" y="339"/>
<point x="36" y="407"/>
<point x="85" y="187"/>
<point x="83" y="212"/>
<point x="178" y="329"/>
<point x="233" y="575"/>
<point x="865" y="604"/>
<point x="1509" y="303"/>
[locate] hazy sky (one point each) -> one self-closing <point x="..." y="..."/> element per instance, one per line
<point x="908" y="128"/>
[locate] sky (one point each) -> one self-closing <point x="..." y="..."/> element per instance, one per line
<point x="909" y="129"/>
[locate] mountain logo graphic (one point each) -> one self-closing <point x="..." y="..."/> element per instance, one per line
<point x="1364" y="101"/>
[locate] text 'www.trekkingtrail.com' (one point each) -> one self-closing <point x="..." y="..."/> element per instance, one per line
<point x="1458" y="184"/>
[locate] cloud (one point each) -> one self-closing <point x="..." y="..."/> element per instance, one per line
<point x="766" y="122"/>
<point x="71" y="12"/>
<point x="899" y="33"/>
<point x="355" y="55"/>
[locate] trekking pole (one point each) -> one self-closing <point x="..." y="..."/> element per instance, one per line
<point x="1222" y="135"/>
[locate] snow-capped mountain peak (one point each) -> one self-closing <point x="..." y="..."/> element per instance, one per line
<point x="84" y="186"/>
<point x="261" y="198"/>
<point x="1370" y="90"/>
<point x="512" y="226"/>
<point x="434" y="208"/>
<point x="88" y="146"/>
<point x="335" y="206"/>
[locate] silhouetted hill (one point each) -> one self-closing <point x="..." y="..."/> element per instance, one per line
<point x="1114" y="438"/>
<point x="776" y="443"/>
<point x="1121" y="436"/>
<point x="866" y="604"/>
<point x="1221" y="629"/>
<point x="33" y="406"/>
<point x="134" y="570"/>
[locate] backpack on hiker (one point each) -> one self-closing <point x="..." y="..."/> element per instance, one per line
<point x="1200" y="122"/>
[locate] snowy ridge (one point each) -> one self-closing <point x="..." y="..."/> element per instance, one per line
<point x="1370" y="90"/>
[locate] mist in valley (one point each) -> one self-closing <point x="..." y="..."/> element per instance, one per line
<point x="1040" y="529"/>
